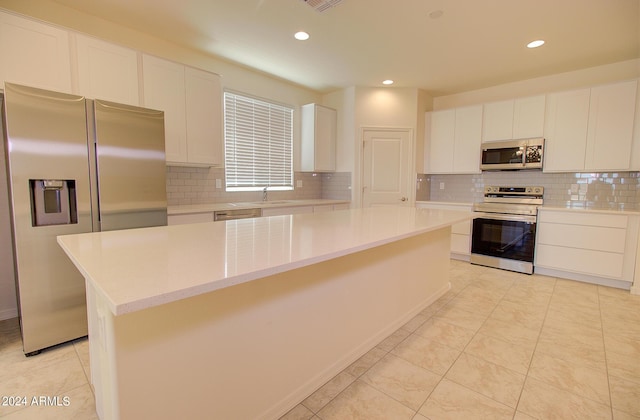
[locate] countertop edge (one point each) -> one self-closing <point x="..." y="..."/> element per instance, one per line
<point x="543" y="207"/>
<point x="150" y="302"/>
<point x="591" y="210"/>
<point x="147" y="302"/>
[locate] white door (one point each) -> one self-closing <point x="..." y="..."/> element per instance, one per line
<point x="386" y="167"/>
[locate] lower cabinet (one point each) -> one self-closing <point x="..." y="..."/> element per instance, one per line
<point x="589" y="246"/>
<point x="183" y="219"/>
<point x="303" y="209"/>
<point x="460" y="232"/>
<point x="277" y="211"/>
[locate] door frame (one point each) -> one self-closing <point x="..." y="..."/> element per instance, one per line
<point x="411" y="167"/>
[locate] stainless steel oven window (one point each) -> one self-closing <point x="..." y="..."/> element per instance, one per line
<point x="509" y="239"/>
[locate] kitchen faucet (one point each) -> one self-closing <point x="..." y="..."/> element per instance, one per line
<point x="264" y="193"/>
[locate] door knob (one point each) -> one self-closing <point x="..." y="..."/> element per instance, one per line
<point x="403" y="199"/>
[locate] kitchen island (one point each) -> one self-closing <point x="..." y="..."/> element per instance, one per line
<point x="243" y="319"/>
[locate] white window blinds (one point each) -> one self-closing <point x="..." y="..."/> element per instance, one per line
<point x="258" y="138"/>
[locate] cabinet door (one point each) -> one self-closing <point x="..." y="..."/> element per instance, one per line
<point x="441" y="141"/>
<point x="610" y="133"/>
<point x="325" y="138"/>
<point x="528" y="117"/>
<point x="107" y="71"/>
<point x="204" y="117"/>
<point x="565" y="130"/>
<point x="497" y="121"/>
<point x="163" y="83"/>
<point x="34" y="54"/>
<point x="467" y="140"/>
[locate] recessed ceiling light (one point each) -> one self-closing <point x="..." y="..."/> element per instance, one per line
<point x="301" y="36"/>
<point x="387" y="82"/>
<point x="535" y="44"/>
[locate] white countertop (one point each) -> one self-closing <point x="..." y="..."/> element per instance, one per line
<point x="592" y="210"/>
<point x="207" y="208"/>
<point x="141" y="268"/>
<point x="543" y="207"/>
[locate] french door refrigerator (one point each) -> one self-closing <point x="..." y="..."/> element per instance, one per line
<point x="74" y="165"/>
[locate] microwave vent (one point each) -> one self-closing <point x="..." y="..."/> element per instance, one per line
<point x="322" y="5"/>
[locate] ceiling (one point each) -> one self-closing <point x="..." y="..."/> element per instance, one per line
<point x="472" y="44"/>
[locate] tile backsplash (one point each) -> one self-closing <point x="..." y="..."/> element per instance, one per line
<point x="187" y="185"/>
<point x="596" y="190"/>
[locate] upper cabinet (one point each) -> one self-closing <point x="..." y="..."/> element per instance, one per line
<point x="163" y="89"/>
<point x="513" y="119"/>
<point x="565" y="130"/>
<point x="204" y="117"/>
<point x="590" y="129"/>
<point x="318" y="146"/>
<point x="34" y="54"/>
<point x="610" y="132"/>
<point x="453" y="140"/>
<point x="192" y="102"/>
<point x="107" y="71"/>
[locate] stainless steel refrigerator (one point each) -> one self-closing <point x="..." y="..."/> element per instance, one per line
<point x="74" y="165"/>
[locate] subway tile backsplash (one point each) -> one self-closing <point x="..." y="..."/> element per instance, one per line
<point x="596" y="190"/>
<point x="187" y="185"/>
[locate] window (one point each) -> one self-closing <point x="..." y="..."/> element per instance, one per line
<point x="258" y="138"/>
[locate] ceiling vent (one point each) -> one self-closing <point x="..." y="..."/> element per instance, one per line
<point x="322" y="5"/>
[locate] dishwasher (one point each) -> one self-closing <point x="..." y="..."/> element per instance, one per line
<point x="221" y="215"/>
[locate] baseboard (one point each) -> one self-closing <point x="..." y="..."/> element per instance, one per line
<point x="601" y="281"/>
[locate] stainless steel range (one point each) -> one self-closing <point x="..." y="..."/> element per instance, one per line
<point x="504" y="228"/>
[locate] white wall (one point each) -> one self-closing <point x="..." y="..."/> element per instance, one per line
<point x="379" y="108"/>
<point x="624" y="70"/>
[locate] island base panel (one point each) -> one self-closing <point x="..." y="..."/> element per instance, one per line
<point x="255" y="350"/>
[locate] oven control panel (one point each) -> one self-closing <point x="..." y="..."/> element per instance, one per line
<point x="524" y="192"/>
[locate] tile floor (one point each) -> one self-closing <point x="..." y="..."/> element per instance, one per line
<point x="498" y="345"/>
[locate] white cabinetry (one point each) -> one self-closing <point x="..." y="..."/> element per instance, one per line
<point x="610" y="132"/>
<point x="589" y="246"/>
<point x="107" y="71"/>
<point x="440" y="131"/>
<point x="277" y="211"/>
<point x="192" y="102"/>
<point x="514" y="119"/>
<point x="204" y="117"/>
<point x="590" y="129"/>
<point x="565" y="131"/>
<point x="34" y="54"/>
<point x="453" y="140"/>
<point x="460" y="232"/>
<point x="318" y="147"/>
<point x="183" y="219"/>
<point x="163" y="83"/>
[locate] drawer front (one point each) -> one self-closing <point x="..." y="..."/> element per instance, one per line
<point x="583" y="218"/>
<point x="583" y="237"/>
<point x="594" y="263"/>
<point x="462" y="228"/>
<point x="183" y="219"/>
<point x="460" y="244"/>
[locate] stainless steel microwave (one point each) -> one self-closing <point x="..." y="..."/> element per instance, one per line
<point x="512" y="154"/>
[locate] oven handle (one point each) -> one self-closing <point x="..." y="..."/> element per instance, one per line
<point x="500" y="216"/>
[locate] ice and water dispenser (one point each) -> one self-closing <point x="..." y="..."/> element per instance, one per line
<point x="53" y="202"/>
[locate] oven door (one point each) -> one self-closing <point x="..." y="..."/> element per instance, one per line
<point x="504" y="241"/>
